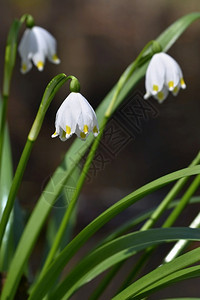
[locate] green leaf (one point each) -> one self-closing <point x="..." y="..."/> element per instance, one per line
<point x="169" y="36"/>
<point x="177" y="276"/>
<point x="159" y="275"/>
<point x="71" y="161"/>
<point x="62" y="259"/>
<point x="129" y="225"/>
<point x="182" y="298"/>
<point x="124" y="228"/>
<point x="7" y="248"/>
<point x="115" y="251"/>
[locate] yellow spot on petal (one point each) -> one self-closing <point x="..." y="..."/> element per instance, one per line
<point x="63" y="134"/>
<point x="160" y="96"/>
<point x="85" y="129"/>
<point x="155" y="88"/>
<point x="175" y="90"/>
<point x="171" y="85"/>
<point x="40" y="65"/>
<point x="95" y="129"/>
<point x="54" y="134"/>
<point x="82" y="135"/>
<point x="55" y="57"/>
<point x="68" y="130"/>
<point x="182" y="82"/>
<point x="24" y="67"/>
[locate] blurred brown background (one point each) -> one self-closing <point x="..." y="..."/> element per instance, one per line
<point x="96" y="41"/>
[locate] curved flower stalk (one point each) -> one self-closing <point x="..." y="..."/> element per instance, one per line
<point x="163" y="75"/>
<point x="37" y="44"/>
<point x="75" y="115"/>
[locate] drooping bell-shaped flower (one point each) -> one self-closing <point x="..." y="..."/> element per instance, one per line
<point x="163" y="75"/>
<point x="75" y="115"/>
<point x="36" y="45"/>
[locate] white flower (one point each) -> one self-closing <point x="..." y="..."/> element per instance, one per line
<point x="75" y="115"/>
<point x="163" y="75"/>
<point x="37" y="44"/>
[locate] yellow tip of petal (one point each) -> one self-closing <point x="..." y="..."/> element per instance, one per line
<point x="155" y="88"/>
<point x="82" y="135"/>
<point x="171" y="85"/>
<point x="63" y="134"/>
<point x="54" y="134"/>
<point x="85" y="129"/>
<point x="40" y="65"/>
<point x="175" y="90"/>
<point x="55" y="58"/>
<point x="182" y="83"/>
<point x="24" y="68"/>
<point x="68" y="130"/>
<point x="95" y="130"/>
<point x="160" y="96"/>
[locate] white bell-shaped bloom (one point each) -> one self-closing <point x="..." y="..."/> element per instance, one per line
<point x="75" y="115"/>
<point x="163" y="75"/>
<point x="37" y="44"/>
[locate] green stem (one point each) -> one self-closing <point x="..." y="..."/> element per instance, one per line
<point x="2" y="125"/>
<point x="74" y="199"/>
<point x="157" y="214"/>
<point x="167" y="200"/>
<point x="125" y="76"/>
<point x="183" y="202"/>
<point x="182" y="244"/>
<point x="137" y="267"/>
<point x="48" y="96"/>
<point x="9" y="63"/>
<point x="105" y="282"/>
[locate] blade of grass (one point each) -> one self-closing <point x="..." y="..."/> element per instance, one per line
<point x="158" y="274"/>
<point x="177" y="276"/>
<point x="166" y="39"/>
<point x="56" y="267"/>
<point x="7" y="248"/>
<point x="114" y="252"/>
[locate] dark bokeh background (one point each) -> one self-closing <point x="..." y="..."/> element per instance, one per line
<point x="96" y="41"/>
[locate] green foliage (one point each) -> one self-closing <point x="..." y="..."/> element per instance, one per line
<point x="118" y="246"/>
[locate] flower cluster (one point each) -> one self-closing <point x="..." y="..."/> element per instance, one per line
<point x="163" y="75"/>
<point x="75" y="115"/>
<point x="37" y="44"/>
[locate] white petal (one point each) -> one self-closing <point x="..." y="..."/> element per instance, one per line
<point x="37" y="44"/>
<point x="173" y="73"/>
<point x="41" y="48"/>
<point x="55" y="134"/>
<point x="75" y="115"/>
<point x="24" y="45"/>
<point x="26" y="65"/>
<point x="87" y="121"/>
<point x="155" y="75"/>
<point x="176" y="90"/>
<point x="67" y="115"/>
<point x="162" y="95"/>
<point x="80" y="133"/>
<point x="26" y="49"/>
<point x="50" y="43"/>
